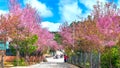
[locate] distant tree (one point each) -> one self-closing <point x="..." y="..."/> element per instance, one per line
<point x="66" y="33"/>
<point x="57" y="37"/>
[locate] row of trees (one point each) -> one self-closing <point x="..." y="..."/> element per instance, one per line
<point x="22" y="25"/>
<point x="100" y="30"/>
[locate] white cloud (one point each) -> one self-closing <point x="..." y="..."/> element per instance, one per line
<point x="118" y="4"/>
<point x="41" y="7"/>
<point x="3" y="12"/>
<point x="89" y="3"/>
<point x="69" y="10"/>
<point x="50" y="25"/>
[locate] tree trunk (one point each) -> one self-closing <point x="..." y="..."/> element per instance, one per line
<point x="2" y="59"/>
<point x="27" y="58"/>
<point x="17" y="56"/>
<point x="110" y="58"/>
<point x="99" y="62"/>
<point x="80" y="58"/>
<point x="110" y="62"/>
<point x="85" y="59"/>
<point x="91" y="60"/>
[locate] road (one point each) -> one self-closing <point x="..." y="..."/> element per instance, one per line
<point x="52" y="63"/>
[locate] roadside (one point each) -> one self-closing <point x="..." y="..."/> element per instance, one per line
<point x="52" y="63"/>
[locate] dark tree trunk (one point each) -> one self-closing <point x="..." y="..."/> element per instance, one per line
<point x="18" y="56"/>
<point x="85" y="59"/>
<point x="91" y="59"/>
<point x="110" y="58"/>
<point x="27" y="58"/>
<point x="2" y="59"/>
<point x="99" y="62"/>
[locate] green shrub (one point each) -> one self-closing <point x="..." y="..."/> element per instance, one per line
<point x="21" y="62"/>
<point x="111" y="57"/>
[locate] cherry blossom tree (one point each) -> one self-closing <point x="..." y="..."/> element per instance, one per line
<point x="30" y="21"/>
<point x="107" y="21"/>
<point x="102" y="29"/>
<point x="66" y="33"/>
<point x="22" y="23"/>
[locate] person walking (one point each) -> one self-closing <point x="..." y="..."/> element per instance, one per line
<point x="65" y="58"/>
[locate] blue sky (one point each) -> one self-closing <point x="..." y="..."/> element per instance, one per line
<point x="55" y="12"/>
